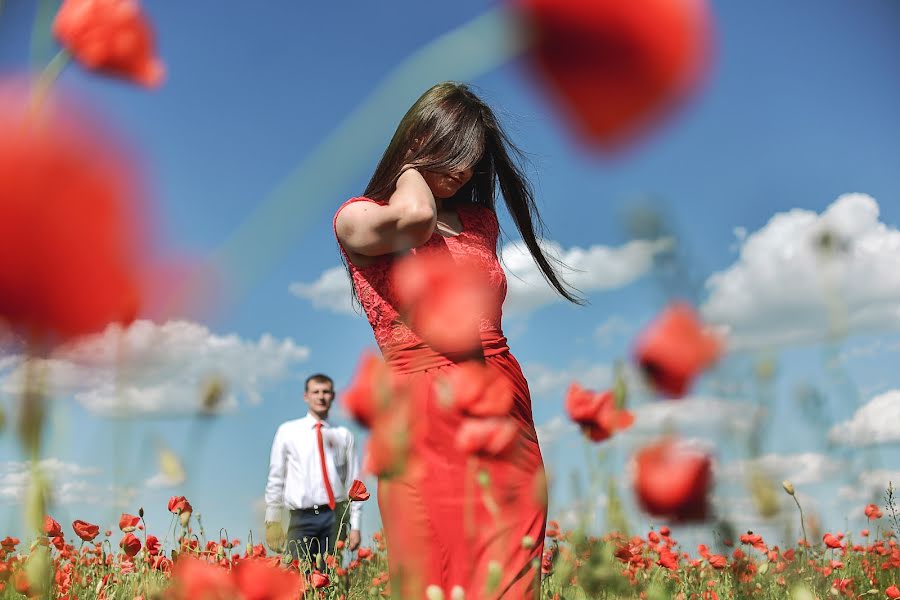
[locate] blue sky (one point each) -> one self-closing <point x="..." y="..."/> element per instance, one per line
<point x="799" y="108"/>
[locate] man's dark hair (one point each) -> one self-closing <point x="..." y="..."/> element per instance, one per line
<point x="318" y="378"/>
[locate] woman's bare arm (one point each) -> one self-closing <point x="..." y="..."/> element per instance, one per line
<point x="406" y="221"/>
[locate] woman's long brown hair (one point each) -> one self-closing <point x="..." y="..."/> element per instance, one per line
<point x="448" y="129"/>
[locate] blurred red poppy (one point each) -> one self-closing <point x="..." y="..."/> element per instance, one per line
<point x="370" y="390"/>
<point x="193" y="578"/>
<point x="152" y="544"/>
<point x="69" y="235"/>
<point x="110" y="36"/>
<point x="831" y="541"/>
<point x="130" y="544"/>
<point x="128" y="523"/>
<point x="442" y="300"/>
<point x="257" y="579"/>
<point x="892" y="592"/>
<point x="358" y="491"/>
<point x="319" y="580"/>
<point x="493" y="436"/>
<point x="675" y="348"/>
<point x="596" y="413"/>
<point x="179" y="504"/>
<point x="85" y="530"/>
<point x="52" y="528"/>
<point x="672" y="480"/>
<point x="615" y="68"/>
<point x="476" y="391"/>
<point x="873" y="512"/>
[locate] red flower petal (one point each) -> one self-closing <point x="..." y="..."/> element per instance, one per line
<point x="615" y="67"/>
<point x="110" y="36"/>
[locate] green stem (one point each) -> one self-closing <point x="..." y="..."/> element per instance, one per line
<point x="803" y="527"/>
<point x="47" y="78"/>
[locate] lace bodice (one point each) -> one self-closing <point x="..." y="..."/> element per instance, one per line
<point x="476" y="243"/>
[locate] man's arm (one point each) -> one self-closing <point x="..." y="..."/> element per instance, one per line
<point x="275" y="481"/>
<point x="354" y="537"/>
<point x="275" y="493"/>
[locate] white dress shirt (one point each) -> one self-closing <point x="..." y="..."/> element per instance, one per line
<point x="295" y="471"/>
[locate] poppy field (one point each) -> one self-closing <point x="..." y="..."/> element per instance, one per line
<point x="79" y="256"/>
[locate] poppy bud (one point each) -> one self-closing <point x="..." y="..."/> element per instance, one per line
<point x="141" y="512"/>
<point x="788" y="487"/>
<point x="457" y="593"/>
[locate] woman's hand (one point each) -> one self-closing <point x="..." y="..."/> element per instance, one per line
<point x="406" y="221"/>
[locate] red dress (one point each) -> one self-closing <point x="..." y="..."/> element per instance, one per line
<point x="442" y="526"/>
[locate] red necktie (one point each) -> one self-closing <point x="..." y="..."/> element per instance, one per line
<point x="331" y="503"/>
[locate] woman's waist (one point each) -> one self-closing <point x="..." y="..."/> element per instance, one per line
<point x="419" y="356"/>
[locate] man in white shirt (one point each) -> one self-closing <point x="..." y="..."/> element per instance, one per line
<point x="312" y="466"/>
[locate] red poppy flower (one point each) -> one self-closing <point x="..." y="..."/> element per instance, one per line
<point x="179" y="504"/>
<point x="257" y="579"/>
<point x="755" y="540"/>
<point x="613" y="67"/>
<point x="674" y="349"/>
<point x="873" y="512"/>
<point x="831" y="541"/>
<point x="596" y="413"/>
<point x="473" y="389"/>
<point x="128" y="523"/>
<point x="673" y="480"/>
<point x="370" y="391"/>
<point x="494" y="436"/>
<point x="319" y="580"/>
<point x="442" y="300"/>
<point x="85" y="530"/>
<point x="358" y="491"/>
<point x="717" y="561"/>
<point x="667" y="559"/>
<point x="152" y="545"/>
<point x="68" y="223"/>
<point x="892" y="592"/>
<point x="130" y="544"/>
<point x="364" y="552"/>
<point x="9" y="543"/>
<point x="110" y="36"/>
<point x="51" y="527"/>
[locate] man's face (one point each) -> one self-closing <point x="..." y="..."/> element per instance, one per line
<point x="318" y="396"/>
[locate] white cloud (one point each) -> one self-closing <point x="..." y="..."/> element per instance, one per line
<point x="69" y="484"/>
<point x="800" y="469"/>
<point x="611" y="328"/>
<point x="149" y="368"/>
<point x="554" y="429"/>
<point x="785" y="289"/>
<point x="691" y="415"/>
<point x="870" y="486"/>
<point x="331" y="291"/>
<point x="593" y="269"/>
<point x="550" y="383"/>
<point x="873" y="423"/>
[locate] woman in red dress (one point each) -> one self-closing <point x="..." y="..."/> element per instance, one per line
<point x="454" y="521"/>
